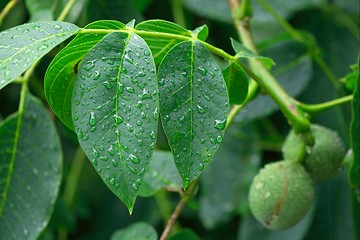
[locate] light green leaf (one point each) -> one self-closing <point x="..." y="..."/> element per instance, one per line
<point x="136" y="231"/>
<point x="115" y="111"/>
<point x="236" y="82"/>
<point x="237" y="162"/>
<point x="61" y="73"/>
<point x="30" y="171"/>
<point x="162" y="173"/>
<point x="354" y="171"/>
<point x="242" y="52"/>
<point x="194" y="106"/>
<point x="23" y="45"/>
<point x="160" y="46"/>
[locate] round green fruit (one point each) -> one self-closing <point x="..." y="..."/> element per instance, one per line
<point x="281" y="194"/>
<point x="324" y="159"/>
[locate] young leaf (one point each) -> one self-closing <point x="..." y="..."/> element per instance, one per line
<point x="61" y="73"/>
<point x="201" y="32"/>
<point x="160" y="46"/>
<point x="115" y="111"/>
<point x="30" y="171"/>
<point x="236" y="82"/>
<point x="136" y="231"/>
<point x="194" y="106"/>
<point x="162" y="173"/>
<point x="23" y="45"/>
<point x="243" y="52"/>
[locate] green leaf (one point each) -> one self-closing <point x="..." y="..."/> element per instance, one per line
<point x="242" y="52"/>
<point x="193" y="106"/>
<point x="162" y="173"/>
<point x="61" y="73"/>
<point x="23" y="45"/>
<point x="136" y="231"/>
<point x="160" y="46"/>
<point x="236" y="82"/>
<point x="213" y="9"/>
<point x="30" y="171"/>
<point x="239" y="157"/>
<point x="351" y="78"/>
<point x="115" y="111"/>
<point x="354" y="171"/>
<point x="40" y="10"/>
<point x="187" y="234"/>
<point x="201" y="32"/>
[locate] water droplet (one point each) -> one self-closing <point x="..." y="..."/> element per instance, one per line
<point x="129" y="127"/>
<point x="139" y="181"/>
<point x="107" y="85"/>
<point x="134" y="158"/>
<point x="146" y="53"/>
<point x="200" y="109"/>
<point x="153" y="135"/>
<point x="58" y="27"/>
<point x="93" y="129"/>
<point x="95" y="153"/>
<point x="76" y="118"/>
<point x="156" y="114"/>
<point x="130" y="89"/>
<point x="95" y="162"/>
<point x="104" y="159"/>
<point x="220" y="124"/>
<point x="118" y="119"/>
<point x="114" y="163"/>
<point x="42" y="47"/>
<point x="80" y="133"/>
<point x="140" y="142"/>
<point x="92" y="120"/>
<point x="145" y="94"/>
<point x="142" y="171"/>
<point x="212" y="141"/>
<point x="111" y="150"/>
<point x="207" y="97"/>
<point x="162" y="82"/>
<point x="219" y="138"/>
<point x="131" y="169"/>
<point x="135" y="187"/>
<point x="112" y="181"/>
<point x="139" y="123"/>
<point x="202" y="70"/>
<point x="203" y="141"/>
<point x="201" y="166"/>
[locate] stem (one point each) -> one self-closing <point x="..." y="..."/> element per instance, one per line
<point x="178" y="12"/>
<point x="314" y="109"/>
<point x="185" y="198"/>
<point x="7" y="9"/>
<point x="66" y="10"/>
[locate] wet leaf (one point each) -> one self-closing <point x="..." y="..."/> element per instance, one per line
<point x="194" y="106"/>
<point x="136" y="231"/>
<point x="30" y="171"/>
<point x="115" y="111"/>
<point x="160" y="46"/>
<point x="61" y="73"/>
<point x="162" y="173"/>
<point x="23" y="45"/>
<point x="354" y="171"/>
<point x="236" y="82"/>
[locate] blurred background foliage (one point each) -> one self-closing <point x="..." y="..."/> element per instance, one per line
<point x="220" y="209"/>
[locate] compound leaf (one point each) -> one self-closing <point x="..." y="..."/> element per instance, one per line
<point x="115" y="111"/>
<point x="23" y="45"/>
<point x="61" y="73"/>
<point x="30" y="171"/>
<point x="193" y="106"/>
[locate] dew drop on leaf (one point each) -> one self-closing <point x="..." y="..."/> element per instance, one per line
<point x="92" y="120"/>
<point x="134" y="158"/>
<point x="130" y="89"/>
<point x="95" y="153"/>
<point x="153" y="135"/>
<point x="220" y="124"/>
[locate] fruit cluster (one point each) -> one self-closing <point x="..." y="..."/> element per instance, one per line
<point x="282" y="192"/>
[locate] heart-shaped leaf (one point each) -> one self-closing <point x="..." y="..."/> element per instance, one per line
<point x="194" y="106"/>
<point x="115" y="111"/>
<point x="61" y="73"/>
<point x="23" y="45"/>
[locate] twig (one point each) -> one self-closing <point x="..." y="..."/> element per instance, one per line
<point x="172" y="219"/>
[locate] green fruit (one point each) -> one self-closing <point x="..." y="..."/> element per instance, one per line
<point x="281" y="194"/>
<point x="324" y="159"/>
